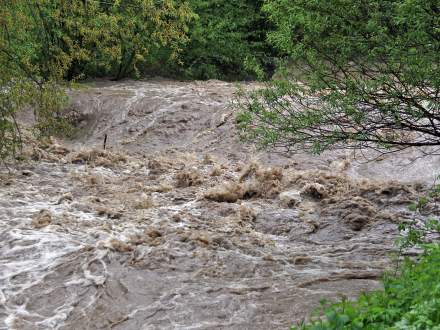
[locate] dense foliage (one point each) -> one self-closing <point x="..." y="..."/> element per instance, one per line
<point x="366" y="73"/>
<point x="228" y="41"/>
<point x="76" y="39"/>
<point x="26" y="79"/>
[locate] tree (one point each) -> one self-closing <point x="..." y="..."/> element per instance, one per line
<point x="106" y="38"/>
<point x="29" y="74"/>
<point x="366" y="74"/>
<point x="227" y="41"/>
<point x="46" y="43"/>
<point x="124" y="33"/>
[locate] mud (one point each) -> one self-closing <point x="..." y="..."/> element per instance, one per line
<point x="179" y="225"/>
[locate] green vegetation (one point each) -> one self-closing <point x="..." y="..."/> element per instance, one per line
<point x="228" y="41"/>
<point x="366" y="74"/>
<point x="410" y="300"/>
<point x="28" y="77"/>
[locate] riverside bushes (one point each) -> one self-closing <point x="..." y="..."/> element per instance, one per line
<point x="410" y="300"/>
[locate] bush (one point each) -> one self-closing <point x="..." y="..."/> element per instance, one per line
<point x="410" y="300"/>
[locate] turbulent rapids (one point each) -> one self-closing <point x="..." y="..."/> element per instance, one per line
<point x="180" y="225"/>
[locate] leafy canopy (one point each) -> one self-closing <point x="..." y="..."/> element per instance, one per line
<point x="362" y="73"/>
<point x="227" y="41"/>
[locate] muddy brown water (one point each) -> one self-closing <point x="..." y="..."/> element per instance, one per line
<point x="179" y="225"/>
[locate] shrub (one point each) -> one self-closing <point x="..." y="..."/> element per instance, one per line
<point x="410" y="300"/>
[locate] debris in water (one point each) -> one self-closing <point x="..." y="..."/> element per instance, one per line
<point x="314" y="190"/>
<point x="246" y="214"/>
<point x="290" y="198"/>
<point x="302" y="260"/>
<point x="144" y="202"/>
<point x="42" y="219"/>
<point x="188" y="178"/>
<point x="216" y="171"/>
<point x="227" y="192"/>
<point x="118" y="245"/>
